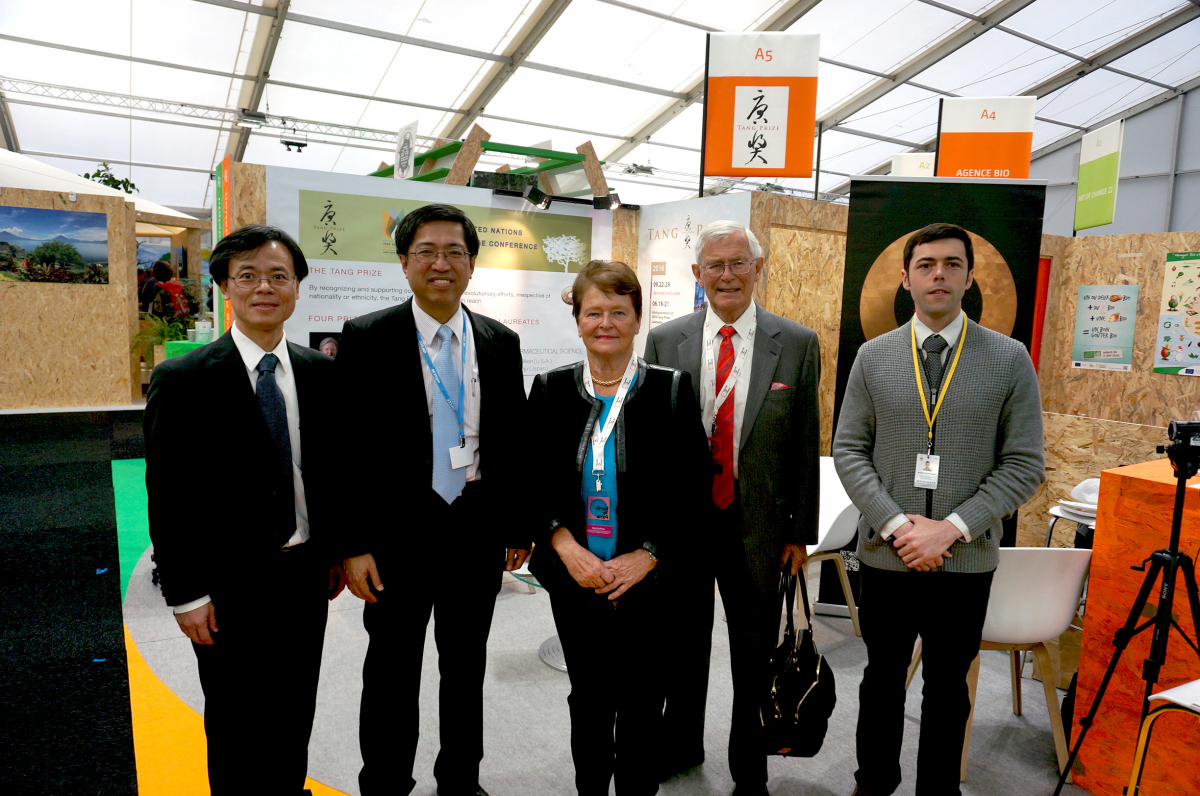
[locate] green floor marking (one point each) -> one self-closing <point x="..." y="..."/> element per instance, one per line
<point x="133" y="523"/>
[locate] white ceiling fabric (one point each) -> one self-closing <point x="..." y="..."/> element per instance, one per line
<point x="606" y="71"/>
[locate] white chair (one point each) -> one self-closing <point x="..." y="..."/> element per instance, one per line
<point x="1180" y="699"/>
<point x="837" y="522"/>
<point x="1035" y="593"/>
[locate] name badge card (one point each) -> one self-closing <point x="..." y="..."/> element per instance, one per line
<point x="927" y="471"/>
<point x="599" y="516"/>
<point x="461" y="456"/>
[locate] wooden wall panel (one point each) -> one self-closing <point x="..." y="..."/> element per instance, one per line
<point x="248" y="194"/>
<point x="68" y="345"/>
<point x="806" y="286"/>
<point x="625" y="237"/>
<point x="1079" y="448"/>
<point x="1141" y="397"/>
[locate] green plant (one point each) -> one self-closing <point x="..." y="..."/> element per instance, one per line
<point x="159" y="332"/>
<point x="56" y="252"/>
<point x="103" y="175"/>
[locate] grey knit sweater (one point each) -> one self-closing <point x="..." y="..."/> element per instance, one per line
<point x="988" y="434"/>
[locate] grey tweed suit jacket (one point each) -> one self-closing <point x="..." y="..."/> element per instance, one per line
<point x="778" y="464"/>
<point x="988" y="434"/>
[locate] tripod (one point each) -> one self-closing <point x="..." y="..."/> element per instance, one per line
<point x="1185" y="460"/>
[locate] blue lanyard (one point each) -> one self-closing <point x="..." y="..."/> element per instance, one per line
<point x="458" y="410"/>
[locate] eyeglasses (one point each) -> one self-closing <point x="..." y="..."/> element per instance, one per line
<point x="430" y="256"/>
<point x="248" y="280"/>
<point x="739" y="267"/>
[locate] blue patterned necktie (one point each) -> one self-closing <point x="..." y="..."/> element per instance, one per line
<point x="447" y="482"/>
<point x="274" y="412"/>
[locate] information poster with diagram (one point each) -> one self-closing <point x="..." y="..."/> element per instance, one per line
<point x="1104" y="324"/>
<point x="1177" y="349"/>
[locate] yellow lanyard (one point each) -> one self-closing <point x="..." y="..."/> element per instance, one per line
<point x="931" y="419"/>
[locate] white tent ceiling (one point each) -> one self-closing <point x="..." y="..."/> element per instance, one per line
<point x="153" y="87"/>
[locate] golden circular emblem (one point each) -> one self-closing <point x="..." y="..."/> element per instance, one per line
<point x="998" y="291"/>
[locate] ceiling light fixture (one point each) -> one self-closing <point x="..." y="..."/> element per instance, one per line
<point x="610" y="202"/>
<point x="536" y="197"/>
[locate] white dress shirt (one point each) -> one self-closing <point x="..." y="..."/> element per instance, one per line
<point x="741" y="388"/>
<point x="950" y="334"/>
<point x="427" y="327"/>
<point x="285" y="380"/>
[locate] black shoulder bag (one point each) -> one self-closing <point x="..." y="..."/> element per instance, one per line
<point x="795" y="712"/>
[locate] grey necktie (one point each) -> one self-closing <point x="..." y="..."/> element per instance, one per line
<point x="274" y="412"/>
<point x="934" y="345"/>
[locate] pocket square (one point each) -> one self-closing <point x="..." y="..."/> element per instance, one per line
<point x="778" y="385"/>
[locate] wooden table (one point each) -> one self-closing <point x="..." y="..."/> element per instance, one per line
<point x="1133" y="520"/>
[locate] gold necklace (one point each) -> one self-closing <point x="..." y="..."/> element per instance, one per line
<point x="606" y="383"/>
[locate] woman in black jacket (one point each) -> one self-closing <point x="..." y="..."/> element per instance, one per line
<point x="622" y="459"/>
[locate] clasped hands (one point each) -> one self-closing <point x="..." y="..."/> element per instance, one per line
<point x="362" y="573"/>
<point x="923" y="544"/>
<point x="613" y="577"/>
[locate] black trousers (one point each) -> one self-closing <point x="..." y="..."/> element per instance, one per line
<point x="689" y="598"/>
<point x="461" y="598"/>
<point x="614" y="662"/>
<point x="946" y="609"/>
<point x="752" y="611"/>
<point x="260" y="675"/>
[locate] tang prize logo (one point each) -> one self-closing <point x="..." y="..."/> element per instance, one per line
<point x="760" y="127"/>
<point x="404" y="155"/>
<point x="563" y="250"/>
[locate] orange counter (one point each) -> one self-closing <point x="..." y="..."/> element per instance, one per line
<point x="1134" y="520"/>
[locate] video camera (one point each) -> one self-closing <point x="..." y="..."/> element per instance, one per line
<point x="1184" y="450"/>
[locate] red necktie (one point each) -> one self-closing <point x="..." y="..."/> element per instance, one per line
<point x="722" y="441"/>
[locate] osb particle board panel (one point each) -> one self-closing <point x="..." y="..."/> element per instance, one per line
<point x="1141" y="396"/>
<point x="248" y="194"/>
<point x="625" y="236"/>
<point x="1136" y="505"/>
<point x="1079" y="448"/>
<point x="770" y="211"/>
<point x="68" y="345"/>
<point x="806" y="270"/>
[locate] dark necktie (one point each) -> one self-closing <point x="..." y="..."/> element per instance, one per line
<point x="274" y="412"/>
<point x="723" y="424"/>
<point x="934" y="345"/>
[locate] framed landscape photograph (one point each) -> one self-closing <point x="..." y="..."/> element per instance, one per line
<point x="61" y="246"/>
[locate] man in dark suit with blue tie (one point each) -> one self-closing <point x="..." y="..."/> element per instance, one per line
<point x="755" y="375"/>
<point x="244" y="564"/>
<point x="437" y="406"/>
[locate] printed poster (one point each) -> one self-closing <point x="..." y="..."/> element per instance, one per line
<point x="667" y="251"/>
<point x="527" y="260"/>
<point x="1177" y="349"/>
<point x="61" y="246"/>
<point x="1104" y="323"/>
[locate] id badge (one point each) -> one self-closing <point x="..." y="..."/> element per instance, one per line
<point x="461" y="456"/>
<point x="599" y="516"/>
<point x="927" y="471"/>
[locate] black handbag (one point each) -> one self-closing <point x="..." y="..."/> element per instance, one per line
<point x="795" y="712"/>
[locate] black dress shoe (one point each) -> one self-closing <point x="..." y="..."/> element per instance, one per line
<point x="751" y="790"/>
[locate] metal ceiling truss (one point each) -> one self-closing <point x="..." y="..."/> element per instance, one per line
<point x="8" y="131"/>
<point x="115" y="160"/>
<point x="549" y="16"/>
<point x="264" y="71"/>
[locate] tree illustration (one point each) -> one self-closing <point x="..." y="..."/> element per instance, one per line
<point x="564" y="250"/>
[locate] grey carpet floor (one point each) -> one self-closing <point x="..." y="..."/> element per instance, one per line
<point x="527" y="727"/>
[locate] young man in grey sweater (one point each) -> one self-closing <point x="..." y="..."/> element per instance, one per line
<point x="939" y="438"/>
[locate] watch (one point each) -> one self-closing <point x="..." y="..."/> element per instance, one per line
<point x="652" y="549"/>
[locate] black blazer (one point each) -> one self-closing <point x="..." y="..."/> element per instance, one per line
<point x="388" y="444"/>
<point x="663" y="471"/>
<point x="206" y="541"/>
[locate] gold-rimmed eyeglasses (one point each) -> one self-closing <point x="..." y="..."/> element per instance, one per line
<point x="739" y="267"/>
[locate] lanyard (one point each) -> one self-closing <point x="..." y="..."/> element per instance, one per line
<point x="738" y="361"/>
<point x="458" y="410"/>
<point x="931" y="419"/>
<point x="600" y="435"/>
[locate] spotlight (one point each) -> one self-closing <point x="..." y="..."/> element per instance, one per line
<point x="536" y="197"/>
<point x="293" y="138"/>
<point x="250" y="119"/>
<point x="610" y="202"/>
<point x="636" y="169"/>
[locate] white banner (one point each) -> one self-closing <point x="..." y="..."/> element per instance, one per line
<point x="520" y="274"/>
<point x="667" y="251"/>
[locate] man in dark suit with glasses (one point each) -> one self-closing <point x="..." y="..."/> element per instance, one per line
<point x="442" y="390"/>
<point x="244" y="567"/>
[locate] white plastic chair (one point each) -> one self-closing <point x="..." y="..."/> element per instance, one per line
<point x="1035" y="593"/>
<point x="1180" y="699"/>
<point x="837" y="521"/>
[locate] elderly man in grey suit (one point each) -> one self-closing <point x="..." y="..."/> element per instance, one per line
<point x="933" y="462"/>
<point x="755" y="376"/>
